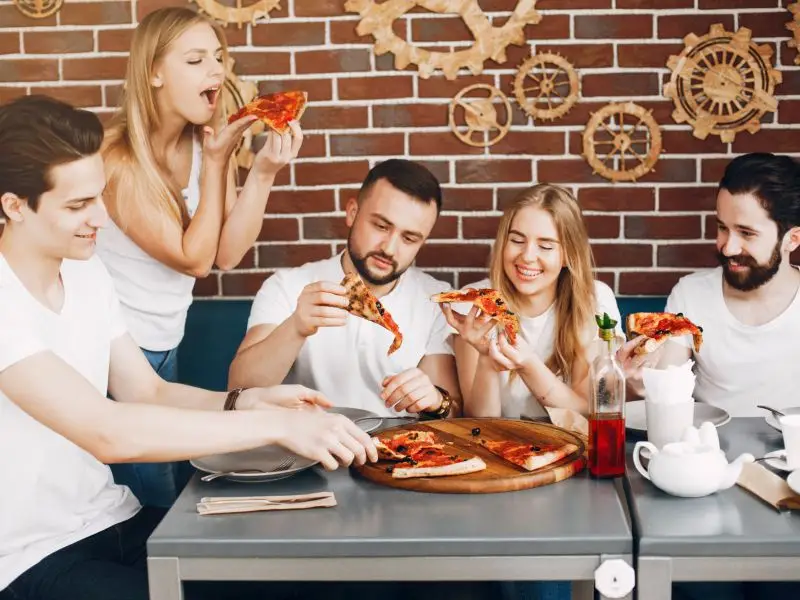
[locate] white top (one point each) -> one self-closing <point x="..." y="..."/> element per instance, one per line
<point x="53" y="492"/>
<point x="348" y="363"/>
<point x="515" y="397"/>
<point x="154" y="297"/>
<point x="739" y="365"/>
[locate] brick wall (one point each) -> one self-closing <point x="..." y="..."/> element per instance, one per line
<point x="645" y="235"/>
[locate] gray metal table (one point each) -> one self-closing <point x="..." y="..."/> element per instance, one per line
<point x="729" y="536"/>
<point x="557" y="532"/>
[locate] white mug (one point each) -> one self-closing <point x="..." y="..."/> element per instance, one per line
<point x="790" y="425"/>
<point x="666" y="422"/>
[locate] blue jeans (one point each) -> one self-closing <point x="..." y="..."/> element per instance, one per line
<point x="156" y="484"/>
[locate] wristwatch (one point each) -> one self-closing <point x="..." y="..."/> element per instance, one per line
<point x="230" y="399"/>
<point x="444" y="408"/>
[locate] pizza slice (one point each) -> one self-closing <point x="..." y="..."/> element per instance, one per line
<point x="398" y="446"/>
<point x="275" y="110"/>
<point x="364" y="304"/>
<point x="489" y="301"/>
<point x="421" y="454"/>
<point x="658" y="327"/>
<point x="529" y="456"/>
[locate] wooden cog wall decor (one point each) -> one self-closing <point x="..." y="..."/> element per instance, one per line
<point x="245" y="11"/>
<point x="722" y="83"/>
<point x="475" y="105"/>
<point x="490" y="42"/>
<point x="235" y="94"/>
<point x="622" y="142"/>
<point x="552" y="84"/>
<point x="38" y="9"/>
<point x="794" y="27"/>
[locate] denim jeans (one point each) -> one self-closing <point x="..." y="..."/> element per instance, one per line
<point x="156" y="484"/>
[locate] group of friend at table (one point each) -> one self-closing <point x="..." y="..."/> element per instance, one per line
<point x="106" y="231"/>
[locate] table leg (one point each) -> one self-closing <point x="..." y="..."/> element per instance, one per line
<point x="164" y="578"/>
<point x="654" y="578"/>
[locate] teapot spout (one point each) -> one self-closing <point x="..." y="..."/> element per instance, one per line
<point x="731" y="474"/>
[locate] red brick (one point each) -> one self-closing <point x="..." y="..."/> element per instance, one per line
<point x="325" y="228"/>
<point x="657" y="283"/>
<point x="279" y="230"/>
<point x="248" y="260"/>
<point x="581" y="112"/>
<point x="367" y="144"/>
<point x="206" y="287"/>
<point x="711" y="169"/>
<point x="569" y="4"/>
<point x="113" y="94"/>
<point x="710" y="232"/>
<point x="301" y="201"/>
<point x="767" y="140"/>
<point x="613" y="26"/>
<point x="446" y="228"/>
<point x="335" y="117"/>
<point x="446" y="29"/>
<point x="449" y="277"/>
<point x="145" y="7"/>
<point x="277" y="33"/>
<point x="736" y="4"/>
<point x="29" y="69"/>
<point x="507" y="194"/>
<point x="328" y="173"/>
<point x="695" y="198"/>
<point x="566" y="171"/>
<point x="493" y="171"/>
<point x="363" y="88"/>
<point x="606" y="277"/>
<point x="291" y="255"/>
<point x="767" y="24"/>
<point x="10" y="16"/>
<point x="470" y="277"/>
<point x="344" y="32"/>
<point x="662" y="227"/>
<point x="410" y="115"/>
<point x="791" y="83"/>
<point x="620" y="84"/>
<point x="313" y="146"/>
<point x="479" y="228"/>
<point x="789" y="111"/>
<point x="679" y="26"/>
<point x="683" y="142"/>
<point x="241" y="284"/>
<point x="439" y="87"/>
<point x="114" y="40"/>
<point x="318" y="8"/>
<point x="602" y="226"/>
<point x="469" y="199"/>
<point x="317" y="89"/>
<point x="695" y="256"/>
<point x="515" y="55"/>
<point x="646" y="55"/>
<point x="81" y="96"/>
<point x="551" y="27"/>
<point x="439" y="168"/>
<point x="332" y="61"/>
<point x="95" y="13"/>
<point x="9" y="43"/>
<point x="582" y="56"/>
<point x="86" y="69"/>
<point x="44" y="42"/>
<point x="537" y="143"/>
<point x="439" y="143"/>
<point x="623" y="199"/>
<point x="622" y="255"/>
<point x="657" y="4"/>
<point x="262" y="63"/>
<point x="454" y="255"/>
<point x="10" y="93"/>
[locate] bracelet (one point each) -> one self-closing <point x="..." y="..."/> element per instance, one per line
<point x="231" y="398"/>
<point x="444" y="408"/>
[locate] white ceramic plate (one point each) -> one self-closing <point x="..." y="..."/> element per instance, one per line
<point x="636" y="418"/>
<point x="777" y="460"/>
<point x="773" y="422"/>
<point x="253" y="466"/>
<point x="794" y="481"/>
<point x="368" y="421"/>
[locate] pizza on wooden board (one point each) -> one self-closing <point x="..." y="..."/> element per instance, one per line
<point x="364" y="304"/>
<point x="490" y="302"/>
<point x="421" y="454"/>
<point x="529" y="455"/>
<point x="658" y="327"/>
<point x="275" y="110"/>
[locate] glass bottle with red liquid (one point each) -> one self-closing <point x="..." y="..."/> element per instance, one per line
<point x="607" y="417"/>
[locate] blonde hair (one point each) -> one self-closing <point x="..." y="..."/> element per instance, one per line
<point x="132" y="169"/>
<point x="575" y="294"/>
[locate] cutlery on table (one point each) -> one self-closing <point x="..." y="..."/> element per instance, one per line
<point x="239" y="504"/>
<point x="774" y="411"/>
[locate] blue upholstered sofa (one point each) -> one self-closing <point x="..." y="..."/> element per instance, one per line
<point x="215" y="328"/>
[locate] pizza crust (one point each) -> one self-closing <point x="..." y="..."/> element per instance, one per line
<point x="472" y="465"/>
<point x="548" y="458"/>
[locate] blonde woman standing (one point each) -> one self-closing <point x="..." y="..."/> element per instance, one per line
<point x="172" y="196"/>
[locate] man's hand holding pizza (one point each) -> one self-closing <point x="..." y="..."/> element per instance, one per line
<point x="321" y="304"/>
<point x="412" y="391"/>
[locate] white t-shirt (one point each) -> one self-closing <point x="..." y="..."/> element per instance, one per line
<point x="739" y="366"/>
<point x="155" y="298"/>
<point x="53" y="492"/>
<point x="515" y="397"/>
<point x="348" y="363"/>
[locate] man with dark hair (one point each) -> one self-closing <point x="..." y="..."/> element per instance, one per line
<point x="749" y="307"/>
<point x="66" y="529"/>
<point x="299" y="328"/>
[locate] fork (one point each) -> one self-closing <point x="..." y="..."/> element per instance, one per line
<point x="281" y="466"/>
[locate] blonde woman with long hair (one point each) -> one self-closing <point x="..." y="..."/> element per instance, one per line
<point x="542" y="265"/>
<point x="171" y="191"/>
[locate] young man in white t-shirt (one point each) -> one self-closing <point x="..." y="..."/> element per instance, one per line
<point x="66" y="529"/>
<point x="300" y="331"/>
<point x="749" y="307"/>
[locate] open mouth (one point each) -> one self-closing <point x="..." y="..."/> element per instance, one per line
<point x="87" y="236"/>
<point x="527" y="274"/>
<point x="211" y="95"/>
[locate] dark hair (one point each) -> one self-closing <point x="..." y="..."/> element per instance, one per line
<point x="407" y="176"/>
<point x="38" y="133"/>
<point x="773" y="179"/>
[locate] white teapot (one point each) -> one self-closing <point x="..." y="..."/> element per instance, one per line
<point x="693" y="467"/>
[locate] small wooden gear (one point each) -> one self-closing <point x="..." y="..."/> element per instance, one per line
<point x="722" y="83"/>
<point x="235" y="94"/>
<point x="622" y="142"/>
<point x="480" y="115"/>
<point x="553" y="83"/>
<point x="245" y="11"/>
<point x="38" y="9"/>
<point x="490" y="42"/>
<point x="794" y="27"/>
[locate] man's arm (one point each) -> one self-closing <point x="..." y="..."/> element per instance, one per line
<point x="441" y="370"/>
<point x="266" y="355"/>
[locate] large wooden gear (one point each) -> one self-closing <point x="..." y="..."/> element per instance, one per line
<point x="38" y="9"/>
<point x="235" y="94"/>
<point x="245" y="11"/>
<point x="722" y="83"/>
<point x="794" y="27"/>
<point x="552" y="84"/>
<point x="622" y="142"/>
<point x="477" y="105"/>
<point x="490" y="42"/>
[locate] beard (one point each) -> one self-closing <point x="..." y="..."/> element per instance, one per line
<point x="756" y="274"/>
<point x="360" y="263"/>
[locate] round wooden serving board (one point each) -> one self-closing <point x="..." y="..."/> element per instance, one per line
<point x="499" y="475"/>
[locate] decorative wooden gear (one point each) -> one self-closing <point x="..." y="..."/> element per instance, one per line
<point x="480" y="115"/>
<point x="794" y="27"/>
<point x="235" y="94"/>
<point x="722" y="83"/>
<point x="38" y="9"/>
<point x="245" y="11"/>
<point x="490" y="42"/>
<point x="633" y="146"/>
<point x="554" y="82"/>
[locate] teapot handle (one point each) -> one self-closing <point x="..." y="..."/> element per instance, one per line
<point x="637" y="460"/>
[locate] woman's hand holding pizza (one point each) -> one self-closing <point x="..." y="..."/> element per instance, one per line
<point x="412" y="391"/>
<point x="509" y="357"/>
<point x="278" y="150"/>
<point x="282" y="396"/>
<point x="218" y="147"/>
<point x="321" y="304"/>
<point x="475" y="327"/>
